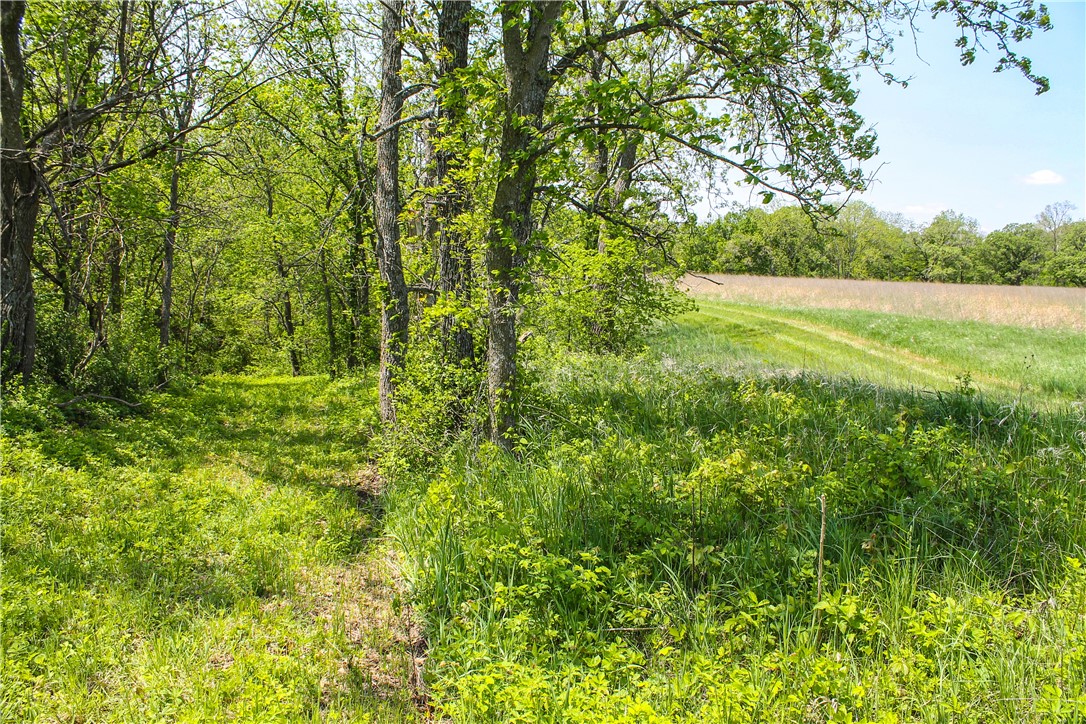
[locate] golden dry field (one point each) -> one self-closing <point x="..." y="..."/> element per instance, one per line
<point x="1038" y="307"/>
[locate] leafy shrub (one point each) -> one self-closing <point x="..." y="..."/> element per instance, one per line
<point x="603" y="300"/>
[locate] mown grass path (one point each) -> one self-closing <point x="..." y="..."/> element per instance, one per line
<point x="1040" y="366"/>
<point x="214" y="557"/>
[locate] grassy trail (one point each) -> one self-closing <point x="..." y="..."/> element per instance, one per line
<point x="214" y="557"/>
<point x="655" y="552"/>
<point x="1038" y="366"/>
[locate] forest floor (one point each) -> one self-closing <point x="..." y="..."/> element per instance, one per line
<point x="793" y="515"/>
<point x="216" y="555"/>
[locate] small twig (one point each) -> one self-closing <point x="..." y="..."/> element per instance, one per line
<point x="80" y="398"/>
<point x="699" y="276"/>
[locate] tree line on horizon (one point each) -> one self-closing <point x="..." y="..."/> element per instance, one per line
<point x="214" y="185"/>
<point x="861" y="242"/>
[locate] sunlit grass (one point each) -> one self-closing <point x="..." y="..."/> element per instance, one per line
<point x="652" y="552"/>
<point x="1041" y="366"/>
<point x="213" y="557"/>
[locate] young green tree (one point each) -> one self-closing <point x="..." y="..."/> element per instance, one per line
<point x="771" y="100"/>
<point x="1067" y="268"/>
<point x="99" y="73"/>
<point x="323" y="108"/>
<point x="1013" y="255"/>
<point x="946" y="246"/>
<point x="1053" y="220"/>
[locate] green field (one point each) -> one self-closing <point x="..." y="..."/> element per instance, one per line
<point x="656" y="551"/>
<point x="1040" y="366"/>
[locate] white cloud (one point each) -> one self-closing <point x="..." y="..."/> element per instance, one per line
<point x="1044" y="177"/>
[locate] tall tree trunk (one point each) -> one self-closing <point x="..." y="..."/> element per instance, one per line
<point x="394" y="308"/>
<point x="115" y="255"/>
<point x="358" y="278"/>
<point x="528" y="84"/>
<point x="426" y="223"/>
<point x="288" y="316"/>
<point x="329" y="317"/>
<point x="358" y="281"/>
<point x="454" y="258"/>
<point x="169" y="244"/>
<point x="19" y="214"/>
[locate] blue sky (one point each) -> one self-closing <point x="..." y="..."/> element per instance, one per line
<point x="978" y="142"/>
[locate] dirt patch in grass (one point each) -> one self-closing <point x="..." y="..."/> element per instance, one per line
<point x="364" y="601"/>
<point x="1040" y="307"/>
<point x="386" y="648"/>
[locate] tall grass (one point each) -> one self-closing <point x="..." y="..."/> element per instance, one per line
<point x="651" y="554"/>
<point x="1036" y="307"/>
<point x="1039" y="366"/>
<point x="654" y="551"/>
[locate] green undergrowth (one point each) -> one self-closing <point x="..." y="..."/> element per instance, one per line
<point x="652" y="554"/>
<point x="1042" y="367"/>
<point x="193" y="560"/>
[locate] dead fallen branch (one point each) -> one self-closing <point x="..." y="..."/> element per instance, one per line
<point x="90" y="396"/>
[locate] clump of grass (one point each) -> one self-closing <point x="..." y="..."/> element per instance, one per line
<point x="651" y="554"/>
<point x="210" y="557"/>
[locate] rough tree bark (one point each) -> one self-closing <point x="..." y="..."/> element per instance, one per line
<point x="526" y="50"/>
<point x="18" y="188"/>
<point x="394" y="310"/>
<point x="454" y="258"/>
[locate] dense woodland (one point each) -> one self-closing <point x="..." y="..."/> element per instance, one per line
<point x="861" y="243"/>
<point x="201" y="186"/>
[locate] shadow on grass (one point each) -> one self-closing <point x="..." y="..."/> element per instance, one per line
<point x="232" y="518"/>
<point x="710" y="485"/>
<point x="204" y="498"/>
